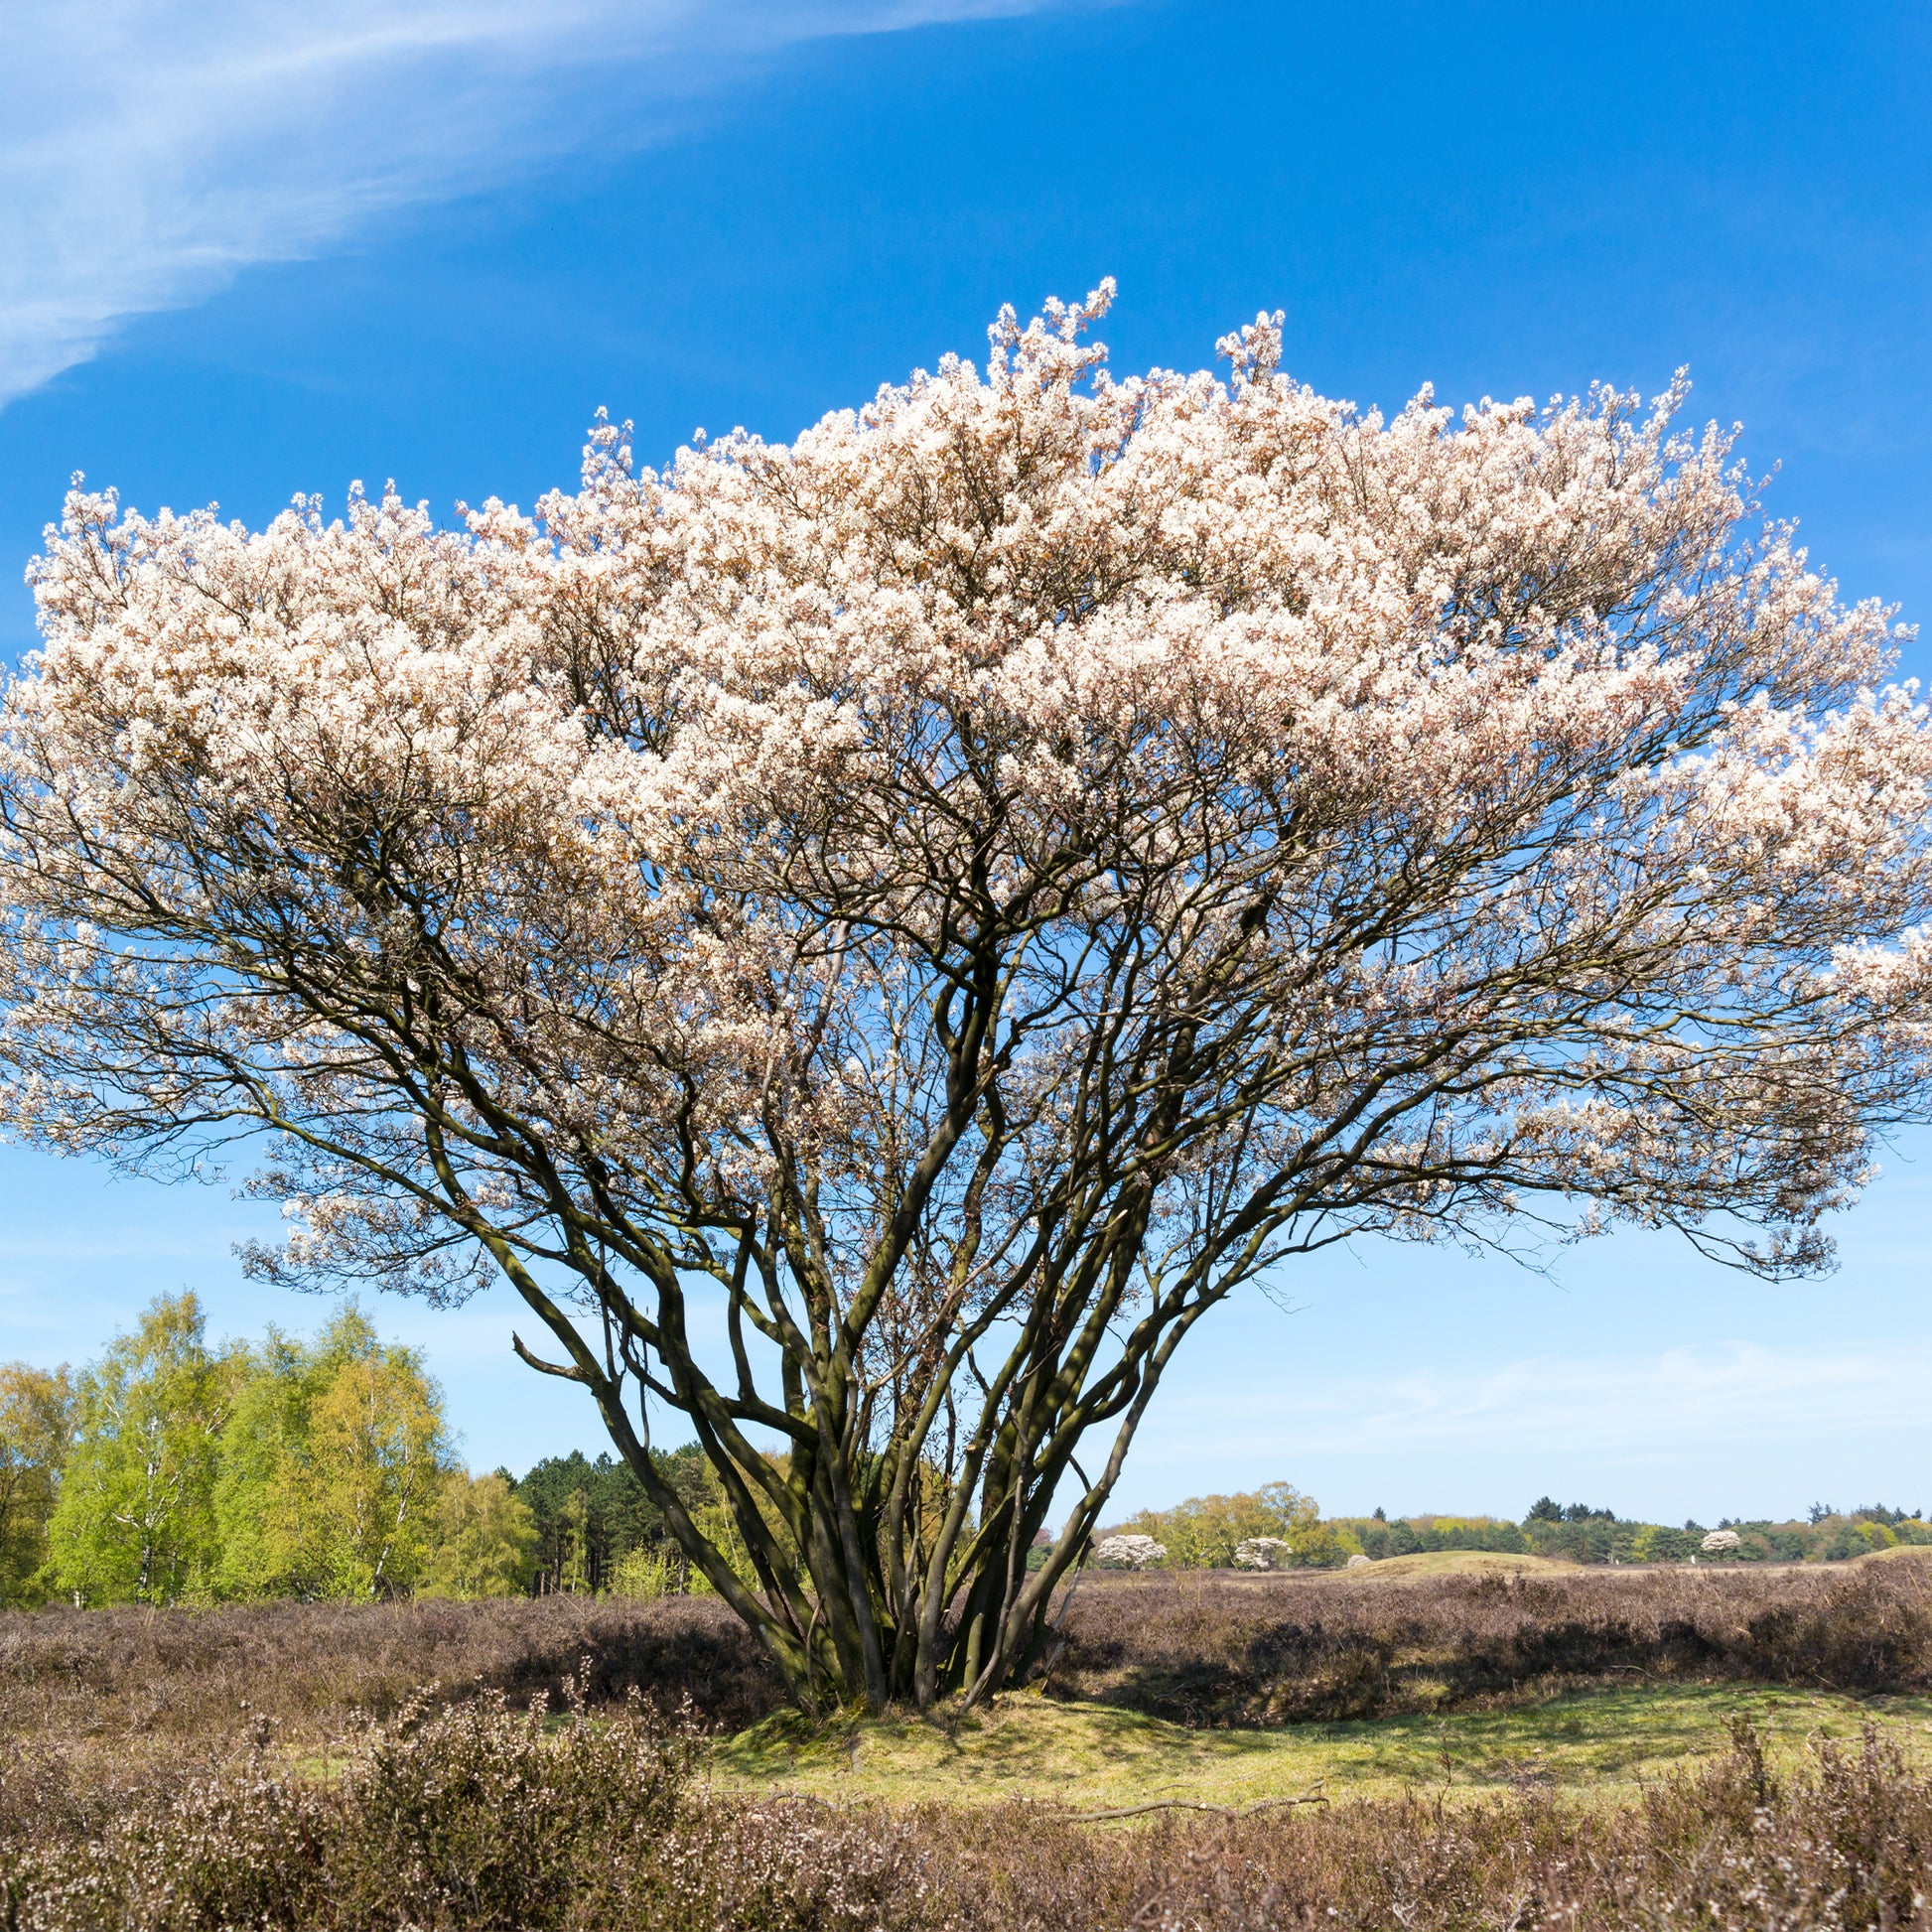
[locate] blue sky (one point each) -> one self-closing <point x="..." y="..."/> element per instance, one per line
<point x="250" y="249"/>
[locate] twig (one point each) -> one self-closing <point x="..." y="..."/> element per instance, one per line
<point x="1190" y="1804"/>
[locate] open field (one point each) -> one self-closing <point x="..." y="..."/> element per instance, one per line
<point x="1197" y="1650"/>
<point x="1488" y="1749"/>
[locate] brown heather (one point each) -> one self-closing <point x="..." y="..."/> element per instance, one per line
<point x="477" y="1818"/>
<point x="170" y="1773"/>
<point x="1221" y="1649"/>
<point x="1197" y="1648"/>
<point x="126" y="1679"/>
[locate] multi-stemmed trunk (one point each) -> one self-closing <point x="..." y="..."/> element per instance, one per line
<point x="966" y="892"/>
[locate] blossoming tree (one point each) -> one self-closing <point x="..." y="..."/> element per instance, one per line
<point x="873" y="940"/>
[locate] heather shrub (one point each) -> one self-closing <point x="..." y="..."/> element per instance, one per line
<point x="1194" y="1647"/>
<point x="1205" y="1649"/>
<point x="461" y="1816"/>
<point x="127" y="1679"/>
<point x="483" y="1818"/>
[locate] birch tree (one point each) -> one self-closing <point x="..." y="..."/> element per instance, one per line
<point x="332" y="1465"/>
<point x="37" y="1413"/>
<point x="135" y="1518"/>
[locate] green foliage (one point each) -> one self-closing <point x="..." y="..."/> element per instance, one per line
<point x="1654" y="1543"/>
<point x="37" y="1418"/>
<point x="135" y="1519"/>
<point x="1579" y="1533"/>
<point x="1828" y="1537"/>
<point x="485" y="1540"/>
<point x="1412" y="1536"/>
<point x="331" y="1468"/>
<point x="379" y="1457"/>
<point x="1204" y="1532"/>
<point x="646" y="1574"/>
<point x="590" y="1515"/>
<point x="316" y="1468"/>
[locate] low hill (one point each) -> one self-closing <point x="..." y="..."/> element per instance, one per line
<point x="1459" y="1563"/>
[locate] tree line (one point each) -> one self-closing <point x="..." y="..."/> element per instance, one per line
<point x="172" y="1470"/>
<point x="1212" y="1532"/>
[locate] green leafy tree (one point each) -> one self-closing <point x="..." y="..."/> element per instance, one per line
<point x="36" y="1417"/>
<point x="1204" y="1532"/>
<point x="1380" y="1538"/>
<point x="1658" y="1543"/>
<point x="573" y="1566"/>
<point x="273" y="1533"/>
<point x="1577" y="1533"/>
<point x="135" y="1519"/>
<point x="331" y="1468"/>
<point x="645" y="1572"/>
<point x="581" y="1547"/>
<point x="379" y="1456"/>
<point x="484" y="1542"/>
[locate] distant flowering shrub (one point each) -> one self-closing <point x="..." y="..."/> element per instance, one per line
<point x="1279" y="1527"/>
<point x="1129" y="1552"/>
<point x="1262" y="1553"/>
<point x="1720" y="1543"/>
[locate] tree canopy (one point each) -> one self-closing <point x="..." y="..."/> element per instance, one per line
<point x="135" y="1517"/>
<point x="175" y="1471"/>
<point x="968" y="889"/>
<point x="36" y="1417"/>
<point x="332" y="1466"/>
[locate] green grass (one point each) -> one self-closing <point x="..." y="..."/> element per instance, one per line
<point x="1604" y="1744"/>
<point x="1457" y="1562"/>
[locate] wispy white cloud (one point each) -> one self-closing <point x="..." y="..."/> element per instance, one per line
<point x="150" y="149"/>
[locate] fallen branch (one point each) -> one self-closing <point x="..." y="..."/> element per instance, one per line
<point x="1191" y="1804"/>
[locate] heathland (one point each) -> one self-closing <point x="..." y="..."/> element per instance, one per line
<point x="1461" y="1740"/>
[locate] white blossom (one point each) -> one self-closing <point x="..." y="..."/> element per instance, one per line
<point x="1129" y="1552"/>
<point x="1262" y="1553"/>
<point x="992" y="874"/>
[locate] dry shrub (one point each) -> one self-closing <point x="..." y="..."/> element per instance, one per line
<point x="465" y="1816"/>
<point x="480" y="1819"/>
<point x="1225" y="1650"/>
<point x="122" y="1676"/>
<point x="1199" y="1649"/>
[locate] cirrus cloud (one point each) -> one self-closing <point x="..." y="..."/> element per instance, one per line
<point x="151" y="150"/>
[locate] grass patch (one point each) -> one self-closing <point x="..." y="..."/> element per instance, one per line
<point x="1460" y="1562"/>
<point x="1908" y="1553"/>
<point x="1605" y="1746"/>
